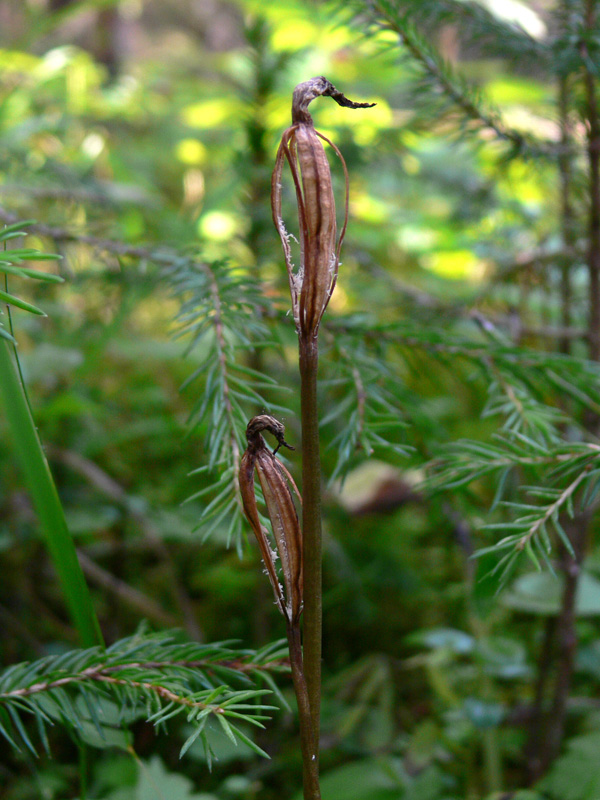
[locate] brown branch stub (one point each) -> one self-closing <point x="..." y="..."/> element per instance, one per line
<point x="306" y="92"/>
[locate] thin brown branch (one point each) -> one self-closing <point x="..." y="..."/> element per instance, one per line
<point x="108" y="194"/>
<point x="94" y="674"/>
<point x="566" y="637"/>
<point x="161" y="256"/>
<point x="128" y="594"/>
<point x="98" y="478"/>
<point x="535" y="714"/>
<point x="551" y="510"/>
<point x="593" y="148"/>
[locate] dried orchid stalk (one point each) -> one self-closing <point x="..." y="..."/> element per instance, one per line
<point x="275" y="481"/>
<point x="311" y="286"/>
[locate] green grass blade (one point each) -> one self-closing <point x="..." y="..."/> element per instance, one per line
<point x="40" y="484"/>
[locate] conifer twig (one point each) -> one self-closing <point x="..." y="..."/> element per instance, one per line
<point x="451" y="84"/>
<point x="222" y="360"/>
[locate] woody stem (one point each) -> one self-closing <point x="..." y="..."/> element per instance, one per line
<point x="311" y="528"/>
<point x="310" y="762"/>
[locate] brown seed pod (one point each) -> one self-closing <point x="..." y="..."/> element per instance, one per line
<point x="275" y="481"/>
<point x="312" y="284"/>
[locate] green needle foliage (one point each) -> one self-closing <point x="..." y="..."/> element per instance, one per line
<point x="152" y="676"/>
<point x="10" y="266"/>
<point x="367" y="396"/>
<point x="221" y="314"/>
<point x="438" y="87"/>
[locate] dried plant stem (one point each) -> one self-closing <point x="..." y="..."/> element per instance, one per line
<point x="593" y="142"/>
<point x="310" y="760"/>
<point x="311" y="528"/>
<point x="567" y="216"/>
<point x="566" y="642"/>
<point x="538" y="717"/>
<point x="311" y="286"/>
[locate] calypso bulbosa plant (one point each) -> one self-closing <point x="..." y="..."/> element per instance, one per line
<point x="311" y="286"/>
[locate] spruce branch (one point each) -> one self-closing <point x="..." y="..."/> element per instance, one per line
<point x="560" y="471"/>
<point x="221" y="346"/>
<point x="366" y="398"/>
<point x="438" y="76"/>
<point x="224" y="300"/>
<point x="547" y="749"/>
<point x="221" y="312"/>
<point x="151" y="673"/>
<point x="540" y="373"/>
<point x="480" y="26"/>
<point x="550" y="514"/>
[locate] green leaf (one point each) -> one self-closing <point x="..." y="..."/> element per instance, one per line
<point x="576" y="774"/>
<point x="483" y="714"/>
<point x="367" y="779"/>
<point x="9" y="230"/>
<point x="30" y="273"/>
<point x="155" y="782"/>
<point x="40" y="484"/>
<point x="442" y="638"/>
<point x="541" y="593"/>
<point x="15" y="301"/>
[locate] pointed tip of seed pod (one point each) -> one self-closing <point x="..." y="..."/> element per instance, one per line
<point x="306" y="92"/>
<point x="264" y="422"/>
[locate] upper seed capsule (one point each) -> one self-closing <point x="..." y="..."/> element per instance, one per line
<point x="312" y="284"/>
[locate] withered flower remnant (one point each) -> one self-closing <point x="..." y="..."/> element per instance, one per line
<point x="312" y="284"/>
<point x="275" y="480"/>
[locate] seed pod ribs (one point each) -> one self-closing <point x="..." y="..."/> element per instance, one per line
<point x="274" y="479"/>
<point x="312" y="284"/>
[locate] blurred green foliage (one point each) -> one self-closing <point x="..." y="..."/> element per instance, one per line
<point x="141" y="136"/>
